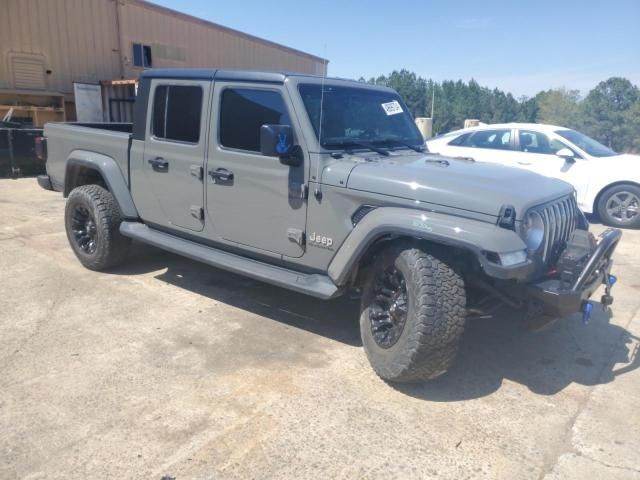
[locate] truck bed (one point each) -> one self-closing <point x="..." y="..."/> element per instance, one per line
<point x="66" y="139"/>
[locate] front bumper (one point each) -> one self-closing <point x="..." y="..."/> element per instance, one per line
<point x="557" y="299"/>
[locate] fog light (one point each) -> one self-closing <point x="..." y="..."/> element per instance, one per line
<point x="512" y="258"/>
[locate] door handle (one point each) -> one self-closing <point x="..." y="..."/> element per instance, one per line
<point x="159" y="164"/>
<point x="524" y="163"/>
<point x="221" y="174"/>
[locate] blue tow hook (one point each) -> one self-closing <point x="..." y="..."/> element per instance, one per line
<point x="607" y="299"/>
<point x="586" y="312"/>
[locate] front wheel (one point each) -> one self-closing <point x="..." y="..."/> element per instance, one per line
<point x="92" y="221"/>
<point x="619" y="206"/>
<point x="413" y="315"/>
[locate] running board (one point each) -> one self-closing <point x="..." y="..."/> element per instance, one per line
<point x="317" y="285"/>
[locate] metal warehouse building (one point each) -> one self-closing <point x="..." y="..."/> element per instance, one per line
<point x="47" y="45"/>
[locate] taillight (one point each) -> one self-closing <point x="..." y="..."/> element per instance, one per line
<point x="41" y="148"/>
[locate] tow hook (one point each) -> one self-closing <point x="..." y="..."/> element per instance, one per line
<point x="587" y="308"/>
<point x="607" y="299"/>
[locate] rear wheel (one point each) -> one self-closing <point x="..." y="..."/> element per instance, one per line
<point x="92" y="221"/>
<point x="619" y="206"/>
<point x="413" y="314"/>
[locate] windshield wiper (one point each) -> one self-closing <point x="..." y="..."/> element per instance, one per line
<point x="415" y="148"/>
<point x="368" y="146"/>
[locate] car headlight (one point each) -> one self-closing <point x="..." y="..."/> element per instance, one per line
<point x="533" y="230"/>
<point x="512" y="258"/>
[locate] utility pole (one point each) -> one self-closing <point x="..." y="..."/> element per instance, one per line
<point x="433" y="98"/>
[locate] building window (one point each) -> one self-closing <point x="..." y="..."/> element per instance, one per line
<point x="176" y="113"/>
<point x="141" y="55"/>
<point x="244" y="111"/>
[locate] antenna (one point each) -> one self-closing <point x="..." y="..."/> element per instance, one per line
<point x="318" y="191"/>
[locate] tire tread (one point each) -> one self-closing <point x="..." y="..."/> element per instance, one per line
<point x="113" y="247"/>
<point x="435" y="333"/>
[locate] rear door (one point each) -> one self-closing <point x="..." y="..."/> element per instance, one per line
<point x="174" y="153"/>
<point x="536" y="151"/>
<point x="493" y="145"/>
<point x="252" y="199"/>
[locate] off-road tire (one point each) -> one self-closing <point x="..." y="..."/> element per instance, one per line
<point x="607" y="195"/>
<point x="110" y="246"/>
<point x="435" y="318"/>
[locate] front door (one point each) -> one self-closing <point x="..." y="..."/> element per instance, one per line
<point x="252" y="199"/>
<point x="537" y="152"/>
<point x="174" y="153"/>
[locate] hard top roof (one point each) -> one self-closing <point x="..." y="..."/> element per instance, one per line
<point x="237" y="75"/>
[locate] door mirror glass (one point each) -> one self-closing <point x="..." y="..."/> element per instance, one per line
<point x="277" y="141"/>
<point x="567" y="154"/>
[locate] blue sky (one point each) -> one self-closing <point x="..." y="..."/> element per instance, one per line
<point x="519" y="46"/>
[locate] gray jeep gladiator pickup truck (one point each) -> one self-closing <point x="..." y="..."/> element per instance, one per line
<point x="323" y="186"/>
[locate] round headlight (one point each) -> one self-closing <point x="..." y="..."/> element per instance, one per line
<point x="533" y="230"/>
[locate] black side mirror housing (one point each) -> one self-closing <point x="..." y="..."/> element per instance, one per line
<point x="277" y="141"/>
<point x="567" y="154"/>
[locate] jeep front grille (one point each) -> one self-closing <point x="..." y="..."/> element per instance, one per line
<point x="560" y="219"/>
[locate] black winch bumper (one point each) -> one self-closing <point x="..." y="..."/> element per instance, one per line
<point x="559" y="298"/>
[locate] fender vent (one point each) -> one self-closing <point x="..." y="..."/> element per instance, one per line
<point x="360" y="214"/>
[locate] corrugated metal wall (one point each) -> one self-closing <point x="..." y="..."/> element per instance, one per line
<point x="203" y="44"/>
<point x="74" y="39"/>
<point x="79" y="40"/>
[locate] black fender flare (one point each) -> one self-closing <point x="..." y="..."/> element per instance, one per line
<point x="110" y="172"/>
<point x="472" y="235"/>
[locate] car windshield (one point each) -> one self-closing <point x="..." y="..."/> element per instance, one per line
<point x="359" y="118"/>
<point x="589" y="145"/>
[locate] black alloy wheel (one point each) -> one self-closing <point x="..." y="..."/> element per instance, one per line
<point x="389" y="309"/>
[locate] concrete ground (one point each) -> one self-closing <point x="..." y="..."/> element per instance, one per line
<point x="169" y="369"/>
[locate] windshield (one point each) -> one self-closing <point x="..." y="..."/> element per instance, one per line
<point x="357" y="117"/>
<point x="589" y="145"/>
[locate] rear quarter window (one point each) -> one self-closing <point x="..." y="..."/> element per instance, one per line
<point x="460" y="141"/>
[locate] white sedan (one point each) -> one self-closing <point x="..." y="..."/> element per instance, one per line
<point x="606" y="182"/>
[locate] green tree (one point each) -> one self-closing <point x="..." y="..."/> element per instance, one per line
<point x="605" y="113"/>
<point x="558" y="107"/>
<point x="609" y="113"/>
<point x="633" y="122"/>
<point x="528" y="109"/>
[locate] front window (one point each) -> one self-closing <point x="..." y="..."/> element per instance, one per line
<point x="589" y="145"/>
<point x="354" y="116"/>
<point x="535" y="142"/>
<point x="243" y="111"/>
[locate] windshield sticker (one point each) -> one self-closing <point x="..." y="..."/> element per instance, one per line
<point x="392" y="108"/>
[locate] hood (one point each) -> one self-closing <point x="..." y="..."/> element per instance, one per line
<point x="627" y="160"/>
<point x="622" y="157"/>
<point x="447" y="182"/>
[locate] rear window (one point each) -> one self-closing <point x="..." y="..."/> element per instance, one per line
<point x="176" y="113"/>
<point x="494" y="139"/>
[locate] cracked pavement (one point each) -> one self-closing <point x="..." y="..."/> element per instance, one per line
<point x="165" y="367"/>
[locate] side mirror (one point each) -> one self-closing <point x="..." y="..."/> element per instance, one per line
<point x="567" y="154"/>
<point x="277" y="141"/>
